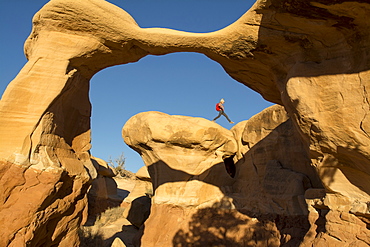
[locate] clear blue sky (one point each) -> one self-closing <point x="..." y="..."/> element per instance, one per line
<point x="187" y="84"/>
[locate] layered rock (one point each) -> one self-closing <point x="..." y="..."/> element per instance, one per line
<point x="137" y="203"/>
<point x="185" y="158"/>
<point x="143" y="185"/>
<point x="276" y="192"/>
<point x="275" y="176"/>
<point x="273" y="165"/>
<point x="182" y="153"/>
<point x="311" y="57"/>
<point x="40" y="207"/>
<point x="45" y="117"/>
<point x="103" y="191"/>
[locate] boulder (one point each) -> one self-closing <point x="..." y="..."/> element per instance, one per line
<point x="273" y="168"/>
<point x="143" y="174"/>
<point x="103" y="168"/>
<point x="274" y="185"/>
<point x="143" y="186"/>
<point x="103" y="192"/>
<point x="137" y="203"/>
<point x="118" y="243"/>
<point x="184" y="156"/>
<point x="185" y="159"/>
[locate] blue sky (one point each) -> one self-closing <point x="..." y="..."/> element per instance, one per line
<point x="187" y="84"/>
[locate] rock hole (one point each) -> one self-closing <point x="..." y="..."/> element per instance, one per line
<point x="321" y="221"/>
<point x="230" y="166"/>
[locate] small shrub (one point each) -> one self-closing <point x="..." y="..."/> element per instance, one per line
<point x="119" y="165"/>
<point x="89" y="237"/>
<point x="110" y="215"/>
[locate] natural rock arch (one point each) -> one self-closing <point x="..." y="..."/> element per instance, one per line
<point x="311" y="57"/>
<point x="187" y="79"/>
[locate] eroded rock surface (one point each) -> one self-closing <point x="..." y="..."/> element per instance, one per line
<point x="103" y="191"/>
<point x="276" y="177"/>
<point x="35" y="203"/>
<point x="311" y="57"/>
<point x="182" y="153"/>
<point x="185" y="159"/>
<point x="137" y="203"/>
<point x="276" y="192"/>
<point x="273" y="165"/>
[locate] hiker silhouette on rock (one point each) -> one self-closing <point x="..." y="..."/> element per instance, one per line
<point x="221" y="111"/>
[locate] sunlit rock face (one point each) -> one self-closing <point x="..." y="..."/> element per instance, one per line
<point x="275" y="176"/>
<point x="310" y="57"/>
<point x="182" y="153"/>
<point x="103" y="191"/>
<point x="273" y="165"/>
<point x="137" y="203"/>
<point x="186" y="159"/>
<point x="274" y="191"/>
<point x="36" y="202"/>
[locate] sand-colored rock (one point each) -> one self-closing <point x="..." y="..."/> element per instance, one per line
<point x="108" y="186"/>
<point x="103" y="191"/>
<point x="36" y="202"/>
<point x="274" y="175"/>
<point x="217" y="225"/>
<point x="274" y="181"/>
<point x="118" y="243"/>
<point x="103" y="168"/>
<point x="137" y="203"/>
<point x="102" y="195"/>
<point x="311" y="57"/>
<point x="185" y="159"/>
<point x="143" y="174"/>
<point x="181" y="154"/>
<point x="273" y="168"/>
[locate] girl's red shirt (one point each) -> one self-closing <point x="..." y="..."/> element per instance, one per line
<point x="219" y="107"/>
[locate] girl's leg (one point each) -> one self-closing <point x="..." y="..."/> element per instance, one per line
<point x="228" y="119"/>
<point x="219" y="115"/>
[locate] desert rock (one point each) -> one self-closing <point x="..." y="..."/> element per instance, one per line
<point x="182" y="152"/>
<point x="273" y="165"/>
<point x="35" y="202"/>
<point x="103" y="191"/>
<point x="143" y="185"/>
<point x="137" y="203"/>
<point x="185" y="159"/>
<point x="118" y="243"/>
<point x="275" y="176"/>
<point x="310" y="57"/>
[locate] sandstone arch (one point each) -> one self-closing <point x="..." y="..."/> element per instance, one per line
<point x="311" y="57"/>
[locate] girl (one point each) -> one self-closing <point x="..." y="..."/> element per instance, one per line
<point x="221" y="111"/>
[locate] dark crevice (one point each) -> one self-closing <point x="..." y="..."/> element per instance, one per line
<point x="321" y="221"/>
<point x="230" y="166"/>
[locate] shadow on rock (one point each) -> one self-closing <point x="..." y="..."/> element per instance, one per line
<point x="139" y="211"/>
<point x="221" y="226"/>
<point x="122" y="193"/>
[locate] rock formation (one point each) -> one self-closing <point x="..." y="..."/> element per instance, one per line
<point x="273" y="165"/>
<point x="103" y="191"/>
<point x="275" y="177"/>
<point x="187" y="148"/>
<point x="312" y="57"/>
<point x="274" y="193"/>
<point x="185" y="157"/>
<point x="118" y="243"/>
<point x="137" y="203"/>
